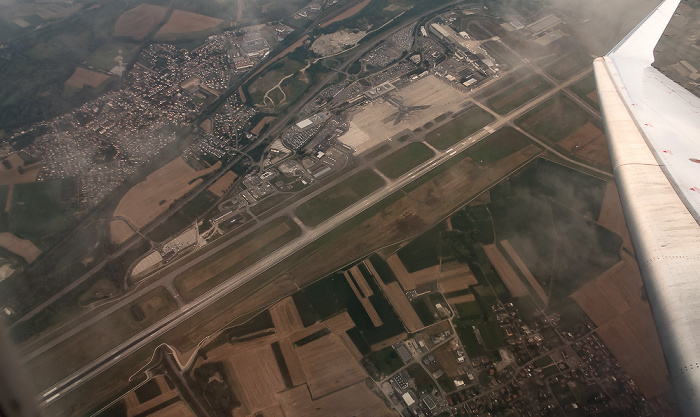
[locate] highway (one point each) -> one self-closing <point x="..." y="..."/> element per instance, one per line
<point x="309" y="235"/>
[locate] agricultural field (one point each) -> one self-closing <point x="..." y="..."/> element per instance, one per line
<point x="222" y="185"/>
<point x="235" y="258"/>
<point x="586" y="89"/>
<point x="46" y="200"/>
<point x="84" y="77"/>
<point x="328" y="365"/>
<point x="337" y="198"/>
<point x="356" y="400"/>
<point x="506" y="272"/>
<point x="403" y="160"/>
<point x="459" y="128"/>
<point x="98" y="338"/>
<point x="546" y="219"/>
<point x="183" y="24"/>
<point x="22" y="247"/>
<point x="422" y="252"/>
<point x="148" y="199"/>
<point x="555" y="119"/>
<point x="588" y="143"/>
<point x="138" y="22"/>
<point x="184" y="217"/>
<point x="569" y="65"/>
<point x="286" y="317"/>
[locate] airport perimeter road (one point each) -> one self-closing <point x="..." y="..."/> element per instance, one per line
<point x="141" y="339"/>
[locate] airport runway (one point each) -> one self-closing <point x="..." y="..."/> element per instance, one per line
<point x="138" y="341"/>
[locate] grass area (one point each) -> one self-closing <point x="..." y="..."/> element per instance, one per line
<point x="381" y="363"/>
<point x="568" y="65"/>
<point x="459" y="128"/>
<point x="337" y="198"/>
<point x="403" y="160"/>
<point x="423" y="251"/>
<point x="585" y="87"/>
<point x="268" y="203"/>
<point x="236" y="257"/>
<point x="184" y="217"/>
<point x="475" y="218"/>
<point x="543" y="362"/>
<point x="104" y="57"/>
<point x="45" y="200"/>
<point x="517" y="94"/>
<point x="469" y="310"/>
<point x="501" y="143"/>
<point x="555" y="119"/>
<point x="376" y="152"/>
<point x="98" y="338"/>
<point x="466" y="334"/>
<point x="492" y="334"/>
<point x="424" y="382"/>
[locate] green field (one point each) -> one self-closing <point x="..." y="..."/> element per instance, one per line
<point x="46" y="200"/>
<point x="337" y="198"/>
<point x="403" y="160"/>
<point x="583" y="88"/>
<point x="517" y="94"/>
<point x="469" y="310"/>
<point x="423" y="251"/>
<point x="268" y="203"/>
<point x="568" y="65"/>
<point x="459" y="128"/>
<point x="235" y="258"/>
<point x="382" y="363"/>
<point x="499" y="144"/>
<point x="555" y="119"/>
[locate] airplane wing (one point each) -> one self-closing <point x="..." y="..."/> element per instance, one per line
<point x="653" y="129"/>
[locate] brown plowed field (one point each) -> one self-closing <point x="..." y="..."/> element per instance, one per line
<point x="612" y="293"/>
<point x="396" y="297"/>
<point x="348" y="13"/>
<point x="614" y="302"/>
<point x="187" y="22"/>
<point x="410" y="281"/>
<point x="505" y="271"/>
<point x="296" y="371"/>
<point x="139" y="21"/>
<point x="286" y="317"/>
<point x="356" y="400"/>
<point x="328" y="365"/>
<point x="82" y="77"/>
<point x="588" y="142"/>
<point x="222" y="184"/>
<point x="340" y="323"/>
<point x="148" y="199"/>
<point x="611" y="215"/>
<point x="258" y="377"/>
<point x="455" y="277"/>
<point x="633" y="339"/>
<point x="22" y="247"/>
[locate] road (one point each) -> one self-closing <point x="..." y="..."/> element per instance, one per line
<point x="309" y="235"/>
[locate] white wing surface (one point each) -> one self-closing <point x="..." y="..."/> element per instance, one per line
<point x="653" y="128"/>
